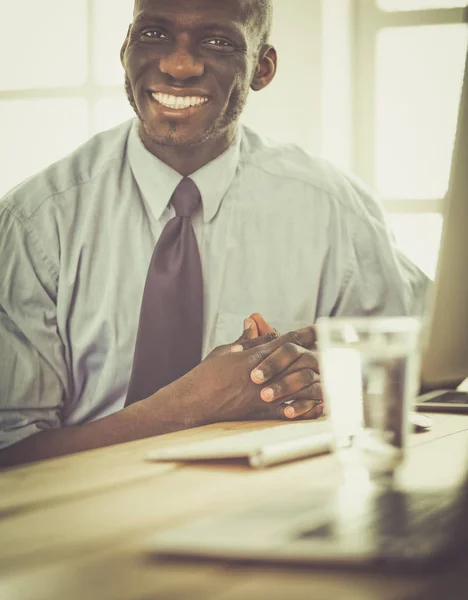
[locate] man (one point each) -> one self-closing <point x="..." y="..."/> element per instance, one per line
<point x="276" y="230"/>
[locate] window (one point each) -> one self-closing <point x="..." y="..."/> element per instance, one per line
<point x="65" y="82"/>
<point x="61" y="79"/>
<point x="381" y="81"/>
<point x="410" y="57"/>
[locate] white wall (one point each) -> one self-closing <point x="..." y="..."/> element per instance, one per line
<point x="291" y="107"/>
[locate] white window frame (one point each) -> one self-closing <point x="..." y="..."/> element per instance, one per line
<point x="90" y="90"/>
<point x="368" y="20"/>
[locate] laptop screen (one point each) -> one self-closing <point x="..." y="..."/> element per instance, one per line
<point x="445" y="354"/>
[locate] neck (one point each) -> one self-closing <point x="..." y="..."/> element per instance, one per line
<point x="187" y="160"/>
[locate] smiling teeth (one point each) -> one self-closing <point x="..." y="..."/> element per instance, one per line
<point x="179" y="102"/>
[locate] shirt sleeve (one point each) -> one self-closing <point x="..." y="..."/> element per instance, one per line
<point x="379" y="279"/>
<point x="32" y="367"/>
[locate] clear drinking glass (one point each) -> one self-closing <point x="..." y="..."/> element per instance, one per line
<point x="370" y="374"/>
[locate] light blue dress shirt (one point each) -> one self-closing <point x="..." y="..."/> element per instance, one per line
<point x="280" y="233"/>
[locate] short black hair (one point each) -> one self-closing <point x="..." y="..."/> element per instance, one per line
<point x="262" y="18"/>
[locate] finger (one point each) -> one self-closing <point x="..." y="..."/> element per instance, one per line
<point x="283" y="358"/>
<point x="262" y="325"/>
<point x="262" y="347"/>
<point x="312" y="392"/>
<point x="289" y="386"/>
<point x="250" y="333"/>
<point x="303" y="409"/>
<point x="297" y="410"/>
<point x="250" y="329"/>
<point x="247" y="344"/>
<point x="305" y="337"/>
<point x="307" y="360"/>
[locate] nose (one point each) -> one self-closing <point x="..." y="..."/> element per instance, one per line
<point x="181" y="64"/>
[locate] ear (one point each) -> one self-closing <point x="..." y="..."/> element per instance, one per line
<point x="124" y="45"/>
<point x="266" y="68"/>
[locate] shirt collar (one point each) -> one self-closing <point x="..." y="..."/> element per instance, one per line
<point x="157" y="181"/>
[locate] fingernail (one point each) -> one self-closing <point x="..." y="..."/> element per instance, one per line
<point x="268" y="394"/>
<point x="247" y="324"/>
<point x="258" y="375"/>
<point x="237" y="348"/>
<point x="290" y="412"/>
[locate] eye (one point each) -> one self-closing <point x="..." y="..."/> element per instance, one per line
<point x="219" y="44"/>
<point x="154" y="34"/>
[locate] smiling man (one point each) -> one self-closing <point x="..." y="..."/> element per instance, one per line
<point x="209" y="55"/>
<point x="125" y="264"/>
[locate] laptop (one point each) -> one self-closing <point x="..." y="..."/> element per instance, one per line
<point x="445" y="351"/>
<point x="388" y="528"/>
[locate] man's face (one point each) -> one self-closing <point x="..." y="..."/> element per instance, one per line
<point x="188" y="68"/>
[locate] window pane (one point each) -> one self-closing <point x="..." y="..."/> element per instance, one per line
<point x="394" y="5"/>
<point x="42" y="43"/>
<point x="336" y="82"/>
<point x="423" y="248"/>
<point x="111" y="111"/>
<point x="111" y="18"/>
<point x="419" y="77"/>
<point x="35" y="133"/>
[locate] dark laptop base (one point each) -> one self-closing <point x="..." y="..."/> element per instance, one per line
<point x="389" y="530"/>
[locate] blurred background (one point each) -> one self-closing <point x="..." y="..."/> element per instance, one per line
<point x="373" y="85"/>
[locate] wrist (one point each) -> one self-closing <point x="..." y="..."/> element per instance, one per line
<point x="177" y="405"/>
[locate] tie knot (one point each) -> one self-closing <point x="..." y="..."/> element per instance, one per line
<point x="186" y="198"/>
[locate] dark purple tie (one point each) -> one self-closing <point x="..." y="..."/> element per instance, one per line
<point x="170" y="331"/>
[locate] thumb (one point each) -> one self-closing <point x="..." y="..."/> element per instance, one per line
<point x="257" y="330"/>
<point x="250" y="330"/>
<point x="262" y="326"/>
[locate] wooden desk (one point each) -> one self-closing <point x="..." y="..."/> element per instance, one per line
<point x="76" y="527"/>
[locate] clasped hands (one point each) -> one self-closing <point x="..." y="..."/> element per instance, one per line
<point x="262" y="375"/>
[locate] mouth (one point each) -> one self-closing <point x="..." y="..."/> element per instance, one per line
<point x="178" y="105"/>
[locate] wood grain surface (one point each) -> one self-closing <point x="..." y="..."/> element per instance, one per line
<point x="78" y="526"/>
